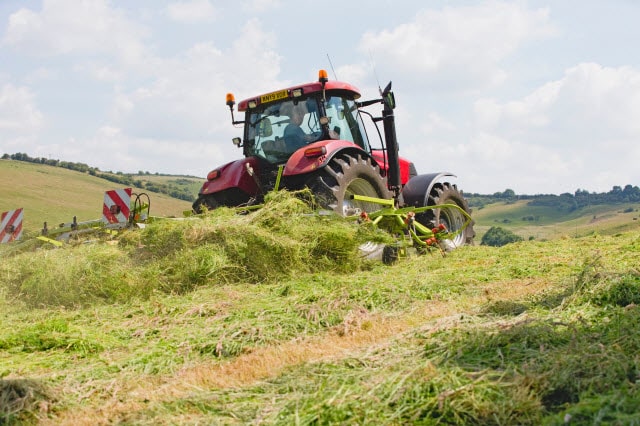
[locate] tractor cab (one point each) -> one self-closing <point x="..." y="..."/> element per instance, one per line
<point x="278" y="124"/>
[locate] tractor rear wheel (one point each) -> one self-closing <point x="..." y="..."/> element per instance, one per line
<point x="452" y="218"/>
<point x="345" y="176"/>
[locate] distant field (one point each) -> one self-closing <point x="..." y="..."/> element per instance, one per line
<point x="193" y="183"/>
<point x="54" y="195"/>
<point x="542" y="222"/>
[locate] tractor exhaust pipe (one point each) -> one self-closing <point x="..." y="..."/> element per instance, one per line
<point x="388" y="120"/>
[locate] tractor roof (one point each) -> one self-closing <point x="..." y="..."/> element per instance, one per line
<point x="307" y="88"/>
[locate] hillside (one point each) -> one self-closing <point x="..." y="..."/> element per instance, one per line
<point x="181" y="187"/>
<point x="55" y="194"/>
<point x="273" y="318"/>
<point x="548" y="222"/>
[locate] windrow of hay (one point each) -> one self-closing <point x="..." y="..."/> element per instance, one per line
<point x="285" y="238"/>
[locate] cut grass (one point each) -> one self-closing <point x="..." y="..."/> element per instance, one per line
<point x="260" y="319"/>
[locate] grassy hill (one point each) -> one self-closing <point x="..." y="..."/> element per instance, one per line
<point x="55" y="194"/>
<point x="544" y="222"/>
<point x="273" y="318"/>
<point x="190" y="183"/>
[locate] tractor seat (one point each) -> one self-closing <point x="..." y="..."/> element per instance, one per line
<point x="275" y="148"/>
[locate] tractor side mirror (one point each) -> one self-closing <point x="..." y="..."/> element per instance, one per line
<point x="388" y="98"/>
<point x="391" y="100"/>
<point x="236" y="141"/>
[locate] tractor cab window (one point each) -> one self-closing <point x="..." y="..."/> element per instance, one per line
<point x="278" y="129"/>
<point x="345" y="121"/>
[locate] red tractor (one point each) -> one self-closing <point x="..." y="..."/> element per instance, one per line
<point x="314" y="135"/>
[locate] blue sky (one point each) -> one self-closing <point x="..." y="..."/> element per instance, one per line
<point x="535" y="96"/>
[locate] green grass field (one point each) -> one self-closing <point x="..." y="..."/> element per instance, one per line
<point x="192" y="183"/>
<point x="56" y="195"/>
<point x="551" y="223"/>
<point x="273" y="318"/>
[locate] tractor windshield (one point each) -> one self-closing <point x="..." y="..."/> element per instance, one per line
<point x="276" y="130"/>
<point x="345" y="121"/>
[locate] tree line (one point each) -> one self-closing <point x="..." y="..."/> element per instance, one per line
<point x="566" y="202"/>
<point x="175" y="191"/>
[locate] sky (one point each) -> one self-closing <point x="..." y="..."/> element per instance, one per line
<point x="541" y="97"/>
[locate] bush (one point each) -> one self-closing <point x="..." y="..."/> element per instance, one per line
<point x="497" y="237"/>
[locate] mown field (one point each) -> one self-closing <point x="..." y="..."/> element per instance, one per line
<point x="274" y="318"/>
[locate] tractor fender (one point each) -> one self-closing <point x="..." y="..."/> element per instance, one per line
<point x="416" y="191"/>
<point x="301" y="162"/>
<point x="232" y="175"/>
<point x="407" y="168"/>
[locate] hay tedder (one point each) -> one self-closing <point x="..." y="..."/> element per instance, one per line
<point x="122" y="209"/>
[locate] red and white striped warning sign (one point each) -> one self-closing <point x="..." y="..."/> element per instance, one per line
<point x="11" y="226"/>
<point x="116" y="206"/>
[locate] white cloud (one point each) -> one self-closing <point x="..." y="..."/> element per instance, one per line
<point x="86" y="27"/>
<point x="102" y="71"/>
<point x="257" y="6"/>
<point x="172" y="117"/>
<point x="111" y="146"/>
<point x="20" y="119"/>
<point x="191" y="11"/>
<point x="186" y="97"/>
<point x="531" y="112"/>
<point x="18" y="111"/>
<point x="573" y="130"/>
<point x="457" y="47"/>
<point x="590" y="103"/>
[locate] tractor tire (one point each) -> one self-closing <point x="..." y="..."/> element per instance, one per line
<point x="348" y="175"/>
<point x="453" y="219"/>
<point x="204" y="203"/>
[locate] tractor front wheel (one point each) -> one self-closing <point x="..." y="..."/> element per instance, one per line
<point x="205" y="203"/>
<point x="346" y="175"/>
